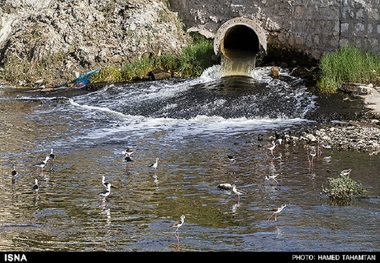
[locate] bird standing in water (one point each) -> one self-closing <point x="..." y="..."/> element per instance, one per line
<point x="105" y="184"/>
<point x="238" y="192"/>
<point x="278" y="138"/>
<point x="231" y="159"/>
<point x="311" y="155"/>
<point x="106" y="192"/>
<point x="128" y="152"/>
<point x="276" y="212"/>
<point x="52" y="157"/>
<point x="271" y="177"/>
<point x="14" y="172"/>
<point x="225" y="186"/>
<point x="271" y="147"/>
<point x="345" y="173"/>
<point x="43" y="163"/>
<point x="35" y="186"/>
<point x="179" y="223"/>
<point x="155" y="164"/>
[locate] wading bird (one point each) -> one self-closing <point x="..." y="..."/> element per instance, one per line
<point x="155" y="164"/>
<point x="276" y="212"/>
<point x="43" y="163"/>
<point x="35" y="186"/>
<point x="179" y="223"/>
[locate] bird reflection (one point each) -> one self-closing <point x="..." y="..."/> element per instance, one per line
<point x="36" y="197"/>
<point x="177" y="245"/>
<point x="46" y="176"/>
<point x="155" y="177"/>
<point x="312" y="175"/>
<point x="35" y="190"/>
<point x="104" y="202"/>
<point x="107" y="212"/>
<point x="278" y="231"/>
<point x="235" y="207"/>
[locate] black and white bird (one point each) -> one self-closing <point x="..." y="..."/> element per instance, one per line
<point x="225" y="186"/>
<point x="346" y="173"/>
<point x="14" y="172"/>
<point x="276" y="212"/>
<point x="51" y="158"/>
<point x="278" y="138"/>
<point x="271" y="147"/>
<point x="155" y="164"/>
<point x="238" y="192"/>
<point x="35" y="186"/>
<point x="128" y="159"/>
<point x="179" y="223"/>
<point x="128" y="152"/>
<point x="311" y="155"/>
<point x="52" y="155"/>
<point x="43" y="163"/>
<point x="106" y="192"/>
<point x="271" y="177"/>
<point x="231" y="159"/>
<point x="105" y="184"/>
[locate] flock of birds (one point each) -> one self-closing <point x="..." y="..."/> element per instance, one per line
<point x="223" y="186"/>
<point x="239" y="192"/>
<point x="41" y="165"/>
<point x="274" y="142"/>
<point x="127" y="157"/>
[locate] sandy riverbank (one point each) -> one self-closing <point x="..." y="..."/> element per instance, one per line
<point x="372" y="100"/>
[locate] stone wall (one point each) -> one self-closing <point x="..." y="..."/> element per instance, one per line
<point x="311" y="27"/>
<point x="360" y="24"/>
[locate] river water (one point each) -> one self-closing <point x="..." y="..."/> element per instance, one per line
<point x="191" y="125"/>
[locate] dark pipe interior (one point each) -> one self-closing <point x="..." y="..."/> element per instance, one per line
<point x="240" y="41"/>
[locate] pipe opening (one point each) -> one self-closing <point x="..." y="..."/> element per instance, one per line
<point x="240" y="41"/>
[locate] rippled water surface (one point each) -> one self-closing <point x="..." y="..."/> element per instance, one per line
<point x="191" y="125"/>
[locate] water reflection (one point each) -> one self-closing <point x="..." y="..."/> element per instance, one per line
<point x="235" y="207"/>
<point x="155" y="177"/>
<point x="107" y="212"/>
<point x="69" y="215"/>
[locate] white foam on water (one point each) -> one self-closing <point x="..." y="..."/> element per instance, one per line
<point x="158" y="90"/>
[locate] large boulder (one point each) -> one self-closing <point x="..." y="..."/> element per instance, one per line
<point x="52" y="39"/>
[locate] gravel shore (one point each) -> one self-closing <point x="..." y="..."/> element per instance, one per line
<point x="363" y="135"/>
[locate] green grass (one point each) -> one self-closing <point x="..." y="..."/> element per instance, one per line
<point x="193" y="60"/>
<point x="348" y="65"/>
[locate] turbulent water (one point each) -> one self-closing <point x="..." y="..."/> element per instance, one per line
<point x="191" y="125"/>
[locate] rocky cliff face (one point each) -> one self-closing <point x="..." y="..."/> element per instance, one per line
<point x="51" y="39"/>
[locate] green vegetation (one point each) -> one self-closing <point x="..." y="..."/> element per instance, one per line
<point x="195" y="58"/>
<point x="348" y="65"/>
<point x="343" y="189"/>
